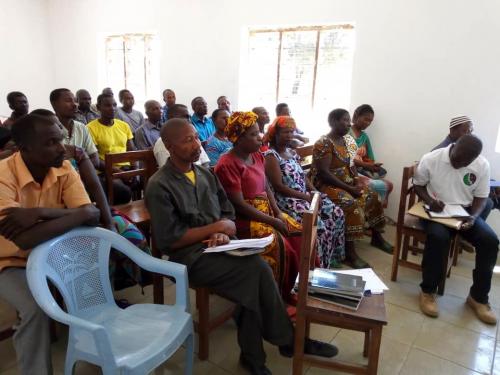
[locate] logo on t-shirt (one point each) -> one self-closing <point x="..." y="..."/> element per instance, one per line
<point x="469" y="179"/>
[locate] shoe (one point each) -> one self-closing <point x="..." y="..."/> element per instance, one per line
<point x="253" y="368"/>
<point x="312" y="347"/>
<point x="428" y="304"/>
<point x="483" y="311"/>
<point x="385" y="246"/>
<point x="357" y="263"/>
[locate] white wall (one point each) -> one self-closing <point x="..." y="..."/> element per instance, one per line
<point x="25" y="60"/>
<point x="418" y="62"/>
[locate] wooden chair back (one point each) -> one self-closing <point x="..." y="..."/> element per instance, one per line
<point x="309" y="236"/>
<point x="408" y="196"/>
<point x="145" y="170"/>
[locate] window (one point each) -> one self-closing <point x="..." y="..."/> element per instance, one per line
<point x="309" y="68"/>
<point x="132" y="63"/>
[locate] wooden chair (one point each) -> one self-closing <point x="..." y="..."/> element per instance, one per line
<point x="369" y="318"/>
<point x="410" y="233"/>
<point x="147" y="168"/>
<point x="305" y="153"/>
<point x="205" y="324"/>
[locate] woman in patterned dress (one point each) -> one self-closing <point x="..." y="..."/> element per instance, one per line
<point x="293" y="192"/>
<point x="333" y="173"/>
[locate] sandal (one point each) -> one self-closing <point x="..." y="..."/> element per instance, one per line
<point x="334" y="263"/>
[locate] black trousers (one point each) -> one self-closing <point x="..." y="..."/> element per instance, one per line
<point x="248" y="282"/>
<point x="481" y="236"/>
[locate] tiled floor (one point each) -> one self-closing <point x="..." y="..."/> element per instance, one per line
<point x="455" y="343"/>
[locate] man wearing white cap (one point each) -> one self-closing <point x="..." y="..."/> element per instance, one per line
<point x="459" y="126"/>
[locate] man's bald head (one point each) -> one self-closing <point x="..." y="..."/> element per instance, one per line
<point x="181" y="140"/>
<point x="465" y="151"/>
<point x="173" y="130"/>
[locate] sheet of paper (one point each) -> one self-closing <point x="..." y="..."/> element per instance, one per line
<point x="373" y="283"/>
<point x="242" y="244"/>
<point x="449" y="210"/>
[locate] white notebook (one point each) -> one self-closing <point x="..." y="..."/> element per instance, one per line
<point x="242" y="244"/>
<point x="449" y="210"/>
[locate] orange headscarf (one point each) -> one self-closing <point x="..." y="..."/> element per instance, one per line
<point x="282" y="122"/>
<point x="238" y="123"/>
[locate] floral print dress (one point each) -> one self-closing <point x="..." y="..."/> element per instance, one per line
<point x="330" y="219"/>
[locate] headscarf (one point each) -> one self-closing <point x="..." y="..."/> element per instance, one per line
<point x="282" y="122"/>
<point x="238" y="123"/>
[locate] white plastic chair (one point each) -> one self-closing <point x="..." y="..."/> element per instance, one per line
<point x="135" y="340"/>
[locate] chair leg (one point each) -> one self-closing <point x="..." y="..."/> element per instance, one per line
<point x="202" y="302"/>
<point x="298" y="355"/>
<point x="189" y="354"/>
<point x="406" y="244"/>
<point x="395" y="257"/>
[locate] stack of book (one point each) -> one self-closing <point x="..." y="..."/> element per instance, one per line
<point x="338" y="288"/>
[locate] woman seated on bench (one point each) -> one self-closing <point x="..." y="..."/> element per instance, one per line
<point x="332" y="173"/>
<point x="370" y="172"/>
<point x="293" y="192"/>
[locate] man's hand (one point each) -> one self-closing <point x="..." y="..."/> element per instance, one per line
<point x="436" y="205"/>
<point x="217" y="239"/>
<point x="17" y="220"/>
<point x="227" y="227"/>
<point x="468" y="223"/>
<point x="92" y="215"/>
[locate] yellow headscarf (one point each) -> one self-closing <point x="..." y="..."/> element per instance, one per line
<point x="238" y="123"/>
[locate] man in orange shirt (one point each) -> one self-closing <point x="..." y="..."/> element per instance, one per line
<point x="41" y="196"/>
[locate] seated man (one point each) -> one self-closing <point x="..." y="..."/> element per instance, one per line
<point x="127" y="113"/>
<point x="85" y="112"/>
<point x="457" y="174"/>
<point x="41" y="196"/>
<point x="18" y="102"/>
<point x="224" y="103"/>
<point x="159" y="150"/>
<point x="459" y="126"/>
<point x="169" y="99"/>
<point x="147" y="135"/>
<point x="203" y="124"/>
<point x="262" y="118"/>
<point x="188" y="206"/>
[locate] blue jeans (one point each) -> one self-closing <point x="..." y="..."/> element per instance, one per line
<point x="481" y="236"/>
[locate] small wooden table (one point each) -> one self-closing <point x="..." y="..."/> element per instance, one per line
<point x="369" y="318"/>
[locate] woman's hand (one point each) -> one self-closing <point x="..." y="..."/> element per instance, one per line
<point x="281" y="226"/>
<point x="356" y="191"/>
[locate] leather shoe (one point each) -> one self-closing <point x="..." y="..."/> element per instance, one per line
<point x="253" y="368"/>
<point x="428" y="305"/>
<point x="483" y="311"/>
<point x="312" y="347"/>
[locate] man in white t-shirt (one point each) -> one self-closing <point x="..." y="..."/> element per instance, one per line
<point x="457" y="174"/>
<point x="159" y="149"/>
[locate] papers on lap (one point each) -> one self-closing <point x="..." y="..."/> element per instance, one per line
<point x="449" y="211"/>
<point x="418" y="210"/>
<point x="254" y="243"/>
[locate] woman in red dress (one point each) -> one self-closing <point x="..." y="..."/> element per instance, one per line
<point x="242" y="174"/>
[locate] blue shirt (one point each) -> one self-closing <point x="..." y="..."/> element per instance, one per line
<point x="164" y="114"/>
<point x="215" y="148"/>
<point x="205" y="127"/>
<point x="146" y="136"/>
